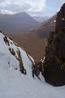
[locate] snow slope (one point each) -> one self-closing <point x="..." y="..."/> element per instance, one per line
<point x="14" y="84"/>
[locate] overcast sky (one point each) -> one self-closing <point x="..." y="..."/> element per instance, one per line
<point x="33" y="7"/>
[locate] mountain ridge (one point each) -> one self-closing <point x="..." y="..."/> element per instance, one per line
<point x="17" y="23"/>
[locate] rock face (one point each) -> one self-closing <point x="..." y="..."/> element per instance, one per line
<point x="54" y="64"/>
<point x="60" y="21"/>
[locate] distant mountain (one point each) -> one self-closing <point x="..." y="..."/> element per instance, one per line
<point x="32" y="42"/>
<point x="47" y="27"/>
<point x="40" y="18"/>
<point x="21" y="22"/>
<point x="35" y="42"/>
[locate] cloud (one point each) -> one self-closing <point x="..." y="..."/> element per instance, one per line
<point x="53" y="6"/>
<point x="37" y="7"/>
<point x="30" y="6"/>
<point x="2" y="1"/>
<point x="6" y="12"/>
<point x="33" y="7"/>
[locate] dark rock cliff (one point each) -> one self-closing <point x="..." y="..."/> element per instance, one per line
<point x="54" y="64"/>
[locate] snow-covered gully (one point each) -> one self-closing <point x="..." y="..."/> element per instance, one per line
<point x="14" y="84"/>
